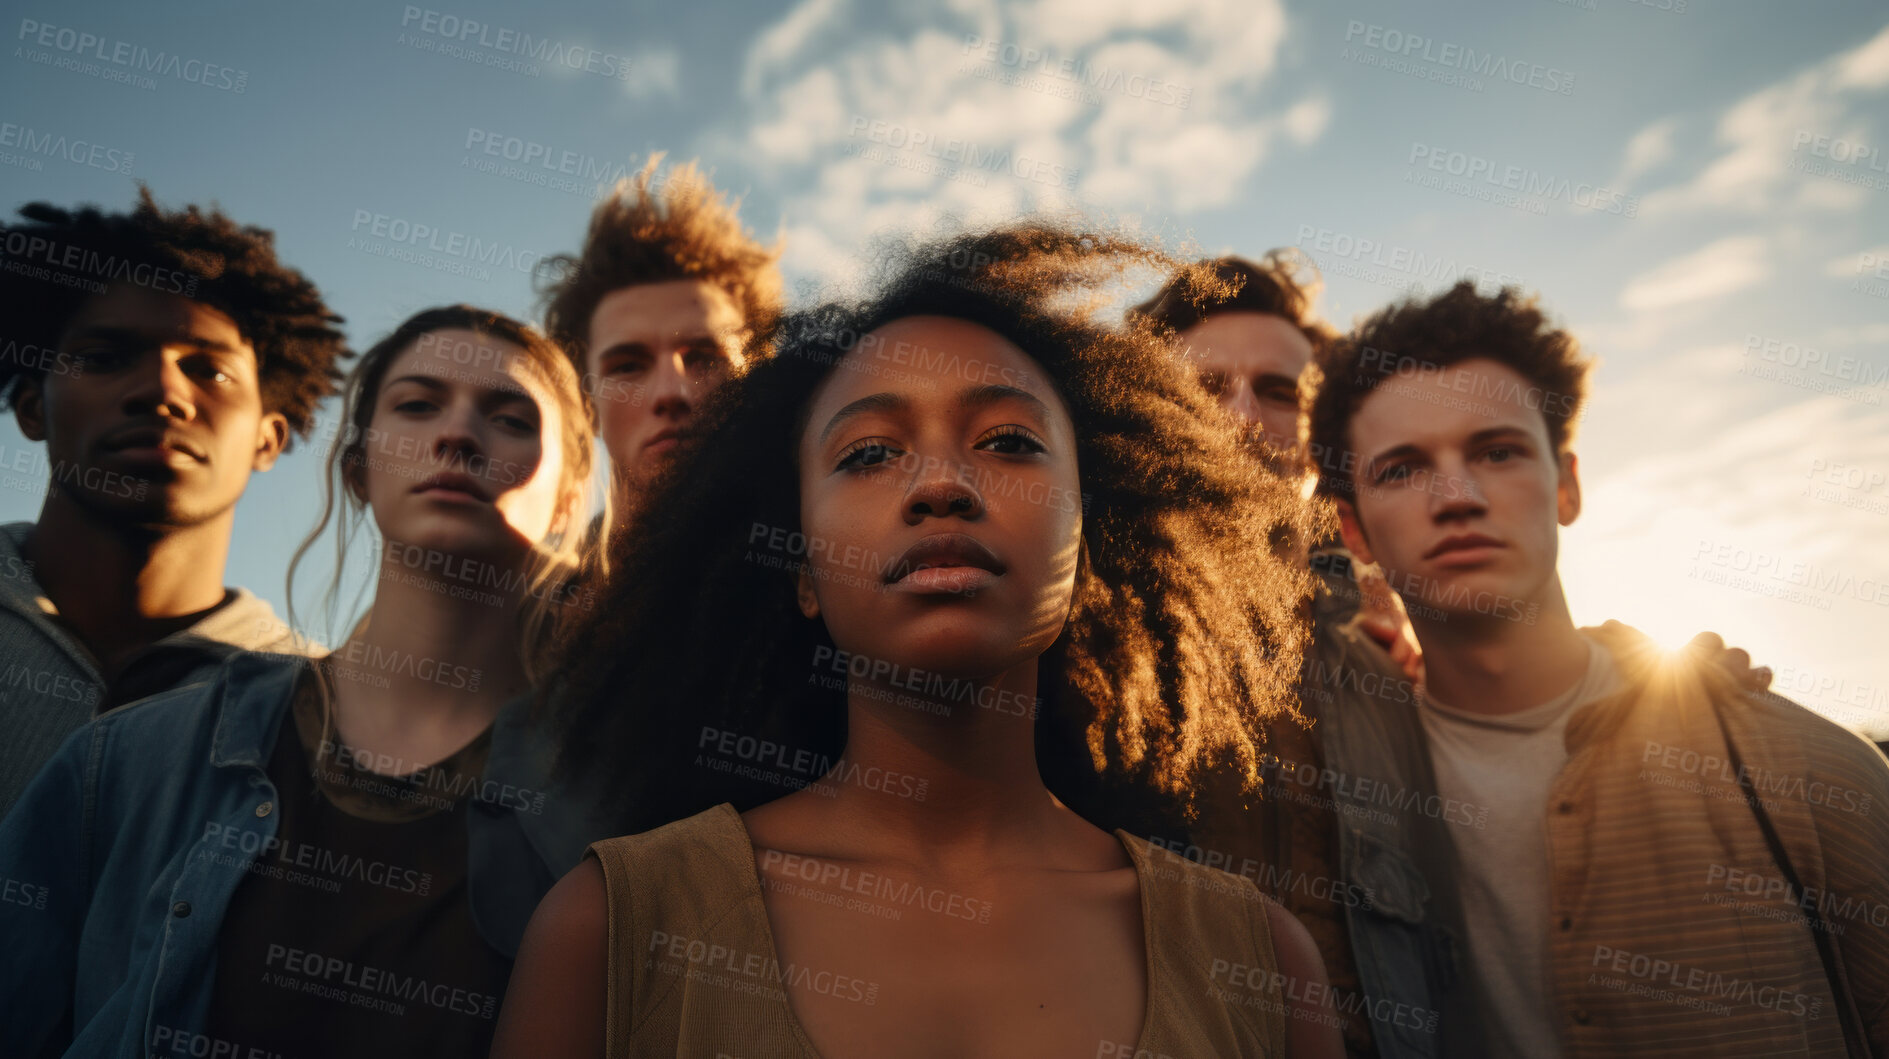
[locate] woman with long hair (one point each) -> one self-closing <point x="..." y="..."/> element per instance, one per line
<point x="338" y="855"/>
<point x="955" y="578"/>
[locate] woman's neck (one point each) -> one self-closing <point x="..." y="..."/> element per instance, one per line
<point x="947" y="779"/>
<point x="429" y="669"/>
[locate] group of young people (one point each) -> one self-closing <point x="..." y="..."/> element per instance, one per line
<point x="948" y="670"/>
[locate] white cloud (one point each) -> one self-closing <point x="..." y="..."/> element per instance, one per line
<point x="657" y="71"/>
<point x="1764" y="134"/>
<point x="1712" y="271"/>
<point x="1117" y="106"/>
<point x="1650" y="147"/>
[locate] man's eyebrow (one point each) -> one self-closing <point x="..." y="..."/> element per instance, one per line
<point x="132" y="334"/>
<point x="1506" y="430"/>
<point x="624" y="347"/>
<point x="878" y="402"/>
<point x="980" y="396"/>
<point x="1395" y="452"/>
<point x="1492" y="433"/>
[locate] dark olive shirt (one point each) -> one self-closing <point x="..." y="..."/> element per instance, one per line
<point x="352" y="934"/>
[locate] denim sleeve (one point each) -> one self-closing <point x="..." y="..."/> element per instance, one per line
<point x="45" y="890"/>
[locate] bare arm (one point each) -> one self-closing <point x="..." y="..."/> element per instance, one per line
<point x="556" y="1002"/>
<point x="1309" y="1030"/>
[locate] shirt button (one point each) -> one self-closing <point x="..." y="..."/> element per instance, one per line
<point x="180" y="909"/>
<point x="265" y="808"/>
<point x="1581" y="1016"/>
<point x="1566" y="807"/>
<point x="1567" y="923"/>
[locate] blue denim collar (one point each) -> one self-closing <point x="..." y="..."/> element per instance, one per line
<point x="249" y="694"/>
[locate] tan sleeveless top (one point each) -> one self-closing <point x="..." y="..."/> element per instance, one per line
<point x="694" y="971"/>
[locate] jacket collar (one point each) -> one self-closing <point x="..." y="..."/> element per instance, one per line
<point x="249" y="695"/>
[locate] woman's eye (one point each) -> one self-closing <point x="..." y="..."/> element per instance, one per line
<point x="866" y="453"/>
<point x="1012" y="441"/>
<point x="414" y="404"/>
<point x="519" y="423"/>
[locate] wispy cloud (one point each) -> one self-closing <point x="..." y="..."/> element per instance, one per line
<point x="1765" y="133"/>
<point x="1712" y="271"/>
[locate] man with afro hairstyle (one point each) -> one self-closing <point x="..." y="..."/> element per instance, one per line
<point x="162" y="357"/>
<point x="668" y="297"/>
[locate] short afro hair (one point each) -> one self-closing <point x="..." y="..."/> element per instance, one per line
<point x="654" y="231"/>
<point x="1283" y="283"/>
<point x="1460" y="324"/>
<point x="59" y="258"/>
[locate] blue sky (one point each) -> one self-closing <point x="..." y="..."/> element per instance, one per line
<point x="1700" y="190"/>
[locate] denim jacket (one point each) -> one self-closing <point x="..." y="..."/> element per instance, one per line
<point x="1394" y="844"/>
<point x="1393" y="841"/>
<point x="117" y="865"/>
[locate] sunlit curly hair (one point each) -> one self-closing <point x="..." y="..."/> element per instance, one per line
<point x="1508" y="327"/>
<point x="1182" y="635"/>
<point x="59" y="258"/>
<point x="650" y="230"/>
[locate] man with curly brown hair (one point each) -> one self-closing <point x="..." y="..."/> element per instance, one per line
<point x="668" y="297"/>
<point x="162" y="357"/>
<point x="1651" y="857"/>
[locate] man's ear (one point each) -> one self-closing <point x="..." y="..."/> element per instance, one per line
<point x="272" y="436"/>
<point x="1567" y="492"/>
<point x="803" y="592"/>
<point x="1353" y="532"/>
<point x="29" y="406"/>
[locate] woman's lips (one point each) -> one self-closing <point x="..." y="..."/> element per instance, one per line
<point x="945" y="580"/>
<point x="944" y="564"/>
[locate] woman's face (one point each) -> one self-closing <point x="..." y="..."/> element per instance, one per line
<point x="462" y="451"/>
<point x="940" y="501"/>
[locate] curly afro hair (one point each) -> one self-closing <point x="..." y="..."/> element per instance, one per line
<point x="1460" y="324"/>
<point x="52" y="263"/>
<point x="651" y="231"/>
<point x="1183" y="634"/>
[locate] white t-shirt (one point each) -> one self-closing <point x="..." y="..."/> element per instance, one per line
<point x="1507" y="765"/>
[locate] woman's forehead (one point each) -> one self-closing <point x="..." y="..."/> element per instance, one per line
<point x="471" y="357"/>
<point x="934" y="355"/>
